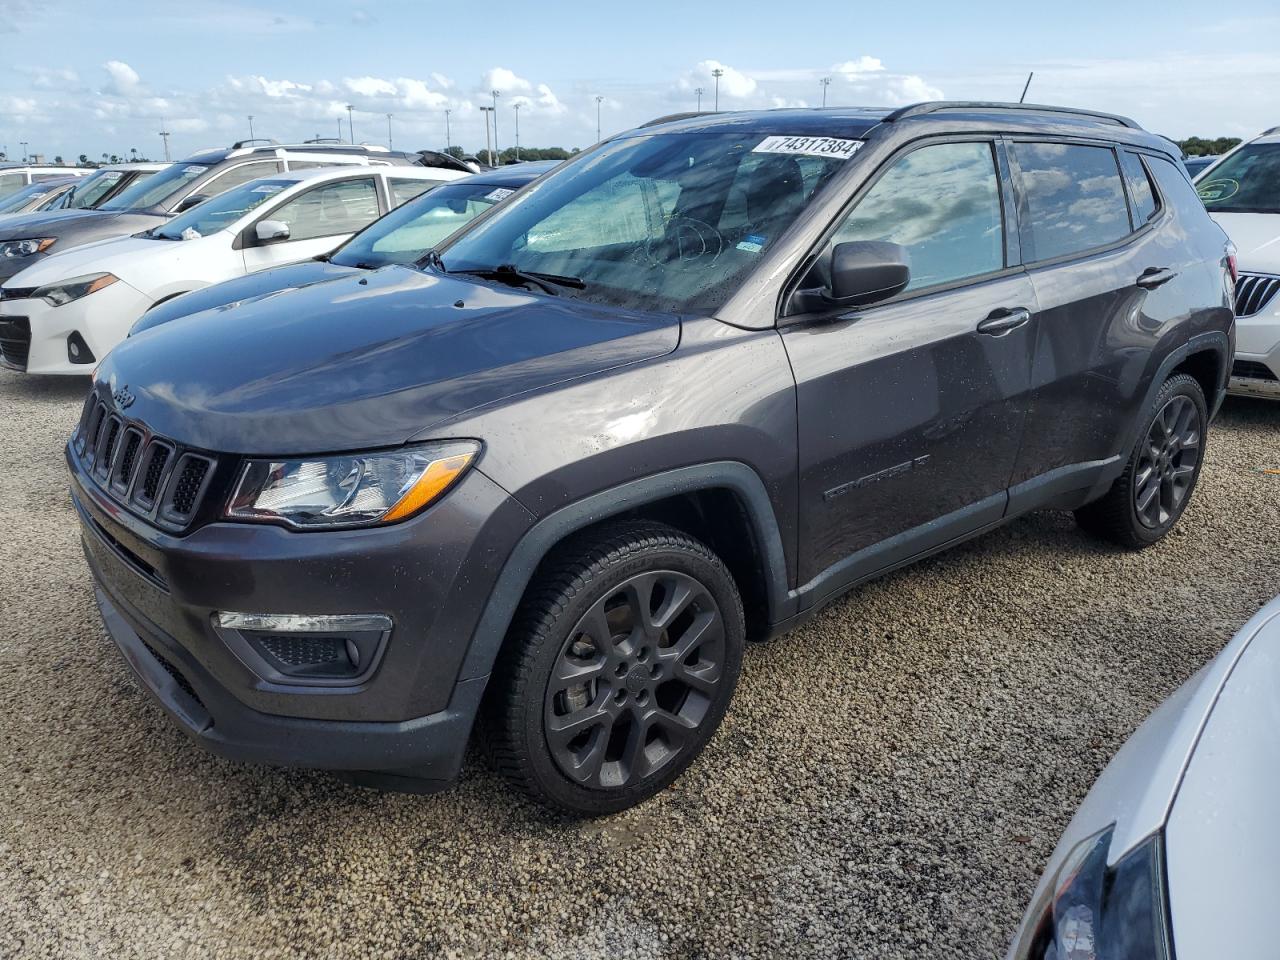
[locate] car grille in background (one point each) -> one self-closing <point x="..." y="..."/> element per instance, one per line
<point x="1254" y="291"/>
<point x="150" y="475"/>
<point x="1251" y="370"/>
<point x="15" y="341"/>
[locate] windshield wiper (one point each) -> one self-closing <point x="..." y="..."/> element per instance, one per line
<point x="510" y="273"/>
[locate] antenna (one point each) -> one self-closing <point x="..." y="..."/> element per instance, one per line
<point x="1026" y="87"/>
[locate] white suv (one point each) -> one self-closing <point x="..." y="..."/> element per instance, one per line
<point x="1242" y="192"/>
<point x="16" y="176"/>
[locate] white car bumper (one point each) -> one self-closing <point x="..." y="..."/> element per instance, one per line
<point x="101" y="320"/>
<point x="1256" y="371"/>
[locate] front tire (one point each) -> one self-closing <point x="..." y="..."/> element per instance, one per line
<point x="1147" y="500"/>
<point x="618" y="669"/>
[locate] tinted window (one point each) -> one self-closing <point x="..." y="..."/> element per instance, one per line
<point x="1141" y="194"/>
<point x="943" y="204"/>
<point x="165" y="184"/>
<point x="1174" y="185"/>
<point x="237" y="176"/>
<point x="1248" y="181"/>
<point x="402" y="190"/>
<point x="330" y="210"/>
<point x="89" y="191"/>
<point x="1074" y="199"/>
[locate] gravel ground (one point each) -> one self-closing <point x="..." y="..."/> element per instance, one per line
<point x="888" y="783"/>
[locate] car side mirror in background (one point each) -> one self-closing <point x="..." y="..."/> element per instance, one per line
<point x="867" y="271"/>
<point x="192" y="201"/>
<point x="271" y="231"/>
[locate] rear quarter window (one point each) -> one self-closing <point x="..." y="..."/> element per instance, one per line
<point x="1176" y="186"/>
<point x="1073" y="199"/>
<point x="1145" y="200"/>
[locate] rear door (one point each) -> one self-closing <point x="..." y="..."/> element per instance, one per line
<point x="1100" y="273"/>
<point x="318" y="220"/>
<point x="910" y="411"/>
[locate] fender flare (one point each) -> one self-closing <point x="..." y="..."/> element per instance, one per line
<point x="1215" y="341"/>
<point x="543" y="536"/>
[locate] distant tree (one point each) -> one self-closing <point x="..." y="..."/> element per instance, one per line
<point x="1207" y="147"/>
<point x="84" y="159"/>
<point x="455" y="152"/>
<point x="58" y="159"/>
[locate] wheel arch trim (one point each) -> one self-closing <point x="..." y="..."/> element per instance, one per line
<point x="540" y="539"/>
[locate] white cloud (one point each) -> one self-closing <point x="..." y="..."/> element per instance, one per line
<point x="858" y="67"/>
<point x="414" y="95"/>
<point x="734" y="84"/>
<point x="370" y="86"/>
<point x="503" y="80"/>
<point x="123" y="78"/>
<point x="440" y="80"/>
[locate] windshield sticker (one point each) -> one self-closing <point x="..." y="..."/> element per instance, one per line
<point x="1213" y="191"/>
<point x="809" y="146"/>
<point x="753" y="243"/>
<point x="267" y="188"/>
<point x="194" y="170"/>
<point x="501" y="193"/>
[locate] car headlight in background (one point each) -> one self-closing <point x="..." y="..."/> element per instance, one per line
<point x="1092" y="912"/>
<point x="67" y="290"/>
<point x="355" y="489"/>
<point x="13" y="249"/>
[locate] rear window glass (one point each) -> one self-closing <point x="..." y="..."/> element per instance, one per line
<point x="1175" y="186"/>
<point x="1074" y="199"/>
<point x="1145" y="201"/>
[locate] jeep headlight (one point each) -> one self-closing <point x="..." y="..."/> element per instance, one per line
<point x="73" y="289"/>
<point x="351" y="489"/>
<point x="1094" y="912"/>
<point x="13" y="249"/>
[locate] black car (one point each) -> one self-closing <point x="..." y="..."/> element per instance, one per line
<point x="683" y="391"/>
<point x="176" y="188"/>
<point x="402" y="236"/>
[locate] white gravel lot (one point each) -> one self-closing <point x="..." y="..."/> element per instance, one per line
<point x="888" y="783"/>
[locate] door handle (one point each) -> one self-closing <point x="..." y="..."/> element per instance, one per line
<point x="1002" y="321"/>
<point x="1153" y="277"/>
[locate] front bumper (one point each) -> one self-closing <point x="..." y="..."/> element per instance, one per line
<point x="100" y="321"/>
<point x="1256" y="369"/>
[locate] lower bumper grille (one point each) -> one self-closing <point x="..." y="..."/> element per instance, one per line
<point x="1251" y="370"/>
<point x="15" y="341"/>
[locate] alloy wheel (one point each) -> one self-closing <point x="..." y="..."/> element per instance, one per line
<point x="634" y="680"/>
<point x="1167" y="462"/>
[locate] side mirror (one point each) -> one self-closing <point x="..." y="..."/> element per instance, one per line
<point x="271" y="231"/>
<point x="867" y="271"/>
<point x="192" y="201"/>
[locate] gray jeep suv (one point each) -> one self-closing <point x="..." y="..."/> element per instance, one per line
<point x="679" y="393"/>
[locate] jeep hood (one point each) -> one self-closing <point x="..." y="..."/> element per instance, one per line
<point x="364" y="361"/>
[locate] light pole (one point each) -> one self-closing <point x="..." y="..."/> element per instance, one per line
<point x="599" y="100"/>
<point x="516" y="107"/>
<point x="826" y="82"/>
<point x="487" y="143"/>
<point x="389" y="145"/>
<point x="164" y="135"/>
<point x="339" y="129"/>
<point x="717" y="73"/>
<point x="448" y="138"/>
<point x="23" y="144"/>
<point x="351" y="124"/>
<point x="496" y="95"/>
<point x="698" y="91"/>
<point x="251" y="126"/>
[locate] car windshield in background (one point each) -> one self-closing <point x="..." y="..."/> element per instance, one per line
<point x="1248" y="181"/>
<point x="220" y="212"/>
<point x="404" y="235"/>
<point x="660" y="222"/>
<point x="16" y="201"/>
<point x="155" y="189"/>
<point x="93" y="188"/>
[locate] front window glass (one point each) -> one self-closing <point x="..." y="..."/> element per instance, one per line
<point x="19" y="200"/>
<point x="156" y="189"/>
<point x="1248" y="181"/>
<point x="661" y="222"/>
<point x="403" y="190"/>
<point x="1074" y="198"/>
<point x="220" y="212"/>
<point x="405" y="234"/>
<point x="330" y="210"/>
<point x="93" y="188"/>
<point x="943" y="204"/>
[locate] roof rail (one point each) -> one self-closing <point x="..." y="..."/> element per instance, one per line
<point x="1270" y="132"/>
<point x="937" y="106"/>
<point x="241" y="144"/>
<point x="325" y="140"/>
<point x="672" y="117"/>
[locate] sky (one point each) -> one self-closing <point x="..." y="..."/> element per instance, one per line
<point x="95" y="77"/>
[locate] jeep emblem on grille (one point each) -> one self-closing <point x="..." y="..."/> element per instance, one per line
<point x="123" y="397"/>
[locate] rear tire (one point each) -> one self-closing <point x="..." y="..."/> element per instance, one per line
<point x="1147" y="500"/>
<point x="617" y="670"/>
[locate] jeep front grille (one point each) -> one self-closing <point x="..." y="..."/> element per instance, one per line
<point x="152" y="476"/>
<point x="1254" y="291"/>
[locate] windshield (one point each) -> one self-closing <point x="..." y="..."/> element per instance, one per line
<point x="156" y="189"/>
<point x="661" y="222"/>
<point x="404" y="235"/>
<point x="220" y="212"/>
<point x="1248" y="181"/>
<point x="16" y="201"/>
<point x="93" y="188"/>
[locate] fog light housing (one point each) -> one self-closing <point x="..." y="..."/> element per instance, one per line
<point x="78" y="351"/>
<point x="306" y="649"/>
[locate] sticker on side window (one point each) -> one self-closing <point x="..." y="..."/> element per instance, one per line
<point x="501" y="193"/>
<point x="809" y="146"/>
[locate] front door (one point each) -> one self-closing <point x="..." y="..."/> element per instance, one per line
<point x="910" y="412"/>
<point x="319" y="220"/>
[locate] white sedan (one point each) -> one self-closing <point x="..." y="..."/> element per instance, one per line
<point x="63" y="314"/>
<point x="1174" y="850"/>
